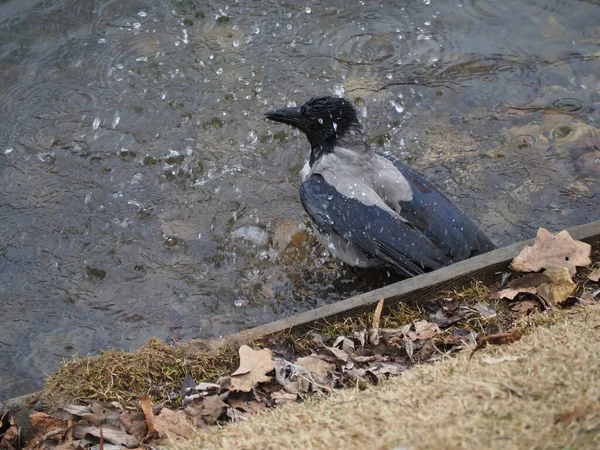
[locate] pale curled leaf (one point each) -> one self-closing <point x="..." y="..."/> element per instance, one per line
<point x="316" y="366"/>
<point x="254" y="366"/>
<point x="109" y="434"/>
<point x="377" y="315"/>
<point x="594" y="275"/>
<point x="424" y="330"/>
<point x="560" y="289"/>
<point x="173" y="425"/>
<point x="553" y="252"/>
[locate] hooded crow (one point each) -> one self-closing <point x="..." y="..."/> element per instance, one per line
<point x="371" y="209"/>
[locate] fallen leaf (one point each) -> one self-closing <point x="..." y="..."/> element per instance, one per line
<point x="497" y="339"/>
<point x="424" y="330"/>
<point x="173" y="425"/>
<point x="339" y="354"/>
<point x="485" y="311"/>
<point x="492" y="360"/>
<point x="212" y="409"/>
<point x="562" y="286"/>
<point x="110" y="434"/>
<point x="346" y="344"/>
<point x="525" y="284"/>
<point x="576" y="414"/>
<point x="254" y="365"/>
<point x="377" y="315"/>
<point x="374" y="331"/>
<point x="316" y="366"/>
<point x="9" y="437"/>
<point x="247" y="406"/>
<point x="457" y="339"/>
<point x="588" y="296"/>
<point x="283" y="397"/>
<point x="43" y="421"/>
<point x="146" y="405"/>
<point x="553" y="252"/>
<point x="134" y="424"/>
<point x="523" y="308"/>
<point x="594" y="275"/>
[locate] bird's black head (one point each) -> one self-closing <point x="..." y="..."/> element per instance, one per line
<point x="325" y="120"/>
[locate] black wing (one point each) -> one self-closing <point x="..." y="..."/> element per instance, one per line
<point x="374" y="230"/>
<point x="440" y="220"/>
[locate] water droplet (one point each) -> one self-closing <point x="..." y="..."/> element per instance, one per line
<point x="330" y="197"/>
<point x="137" y="25"/>
<point x="101" y="41"/>
<point x="308" y="10"/>
<point x="142" y="14"/>
<point x="96" y="123"/>
<point x="397" y="106"/>
<point x="236" y="43"/>
<point x="334" y="126"/>
<point x="8" y="150"/>
<point x="240" y="302"/>
<point x="320" y="121"/>
<point x="219" y="71"/>
<point x="116" y="120"/>
<point x="289" y="26"/>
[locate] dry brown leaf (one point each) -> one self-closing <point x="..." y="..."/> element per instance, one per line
<point x="576" y="414"/>
<point x="525" y="284"/>
<point x="173" y="425"/>
<point x="523" y="308"/>
<point x="316" y="365"/>
<point x="377" y="315"/>
<point x="424" y="330"/>
<point x="9" y="437"/>
<point x="254" y="365"/>
<point x="133" y="424"/>
<point x="146" y="406"/>
<point x="497" y="339"/>
<point x="553" y="252"/>
<point x="214" y="408"/>
<point x="247" y="406"/>
<point x="457" y="339"/>
<point x="594" y="275"/>
<point x="43" y="421"/>
<point x="561" y="288"/>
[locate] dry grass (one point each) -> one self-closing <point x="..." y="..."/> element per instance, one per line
<point x="455" y="403"/>
<point x="156" y="369"/>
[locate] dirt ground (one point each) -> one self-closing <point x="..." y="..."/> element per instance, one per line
<point x="542" y="392"/>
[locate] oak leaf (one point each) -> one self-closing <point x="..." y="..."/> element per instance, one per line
<point x="254" y="366"/>
<point x="560" y="289"/>
<point x="553" y="252"/>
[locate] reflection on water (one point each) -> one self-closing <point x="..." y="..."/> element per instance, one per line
<point x="144" y="195"/>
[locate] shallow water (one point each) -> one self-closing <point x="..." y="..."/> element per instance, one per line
<point x="143" y="194"/>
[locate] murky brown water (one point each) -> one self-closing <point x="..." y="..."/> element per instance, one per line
<point x="142" y="193"/>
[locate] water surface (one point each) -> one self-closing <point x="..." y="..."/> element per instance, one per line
<point x="142" y="193"/>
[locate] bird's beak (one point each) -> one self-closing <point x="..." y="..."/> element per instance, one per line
<point x="290" y="116"/>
